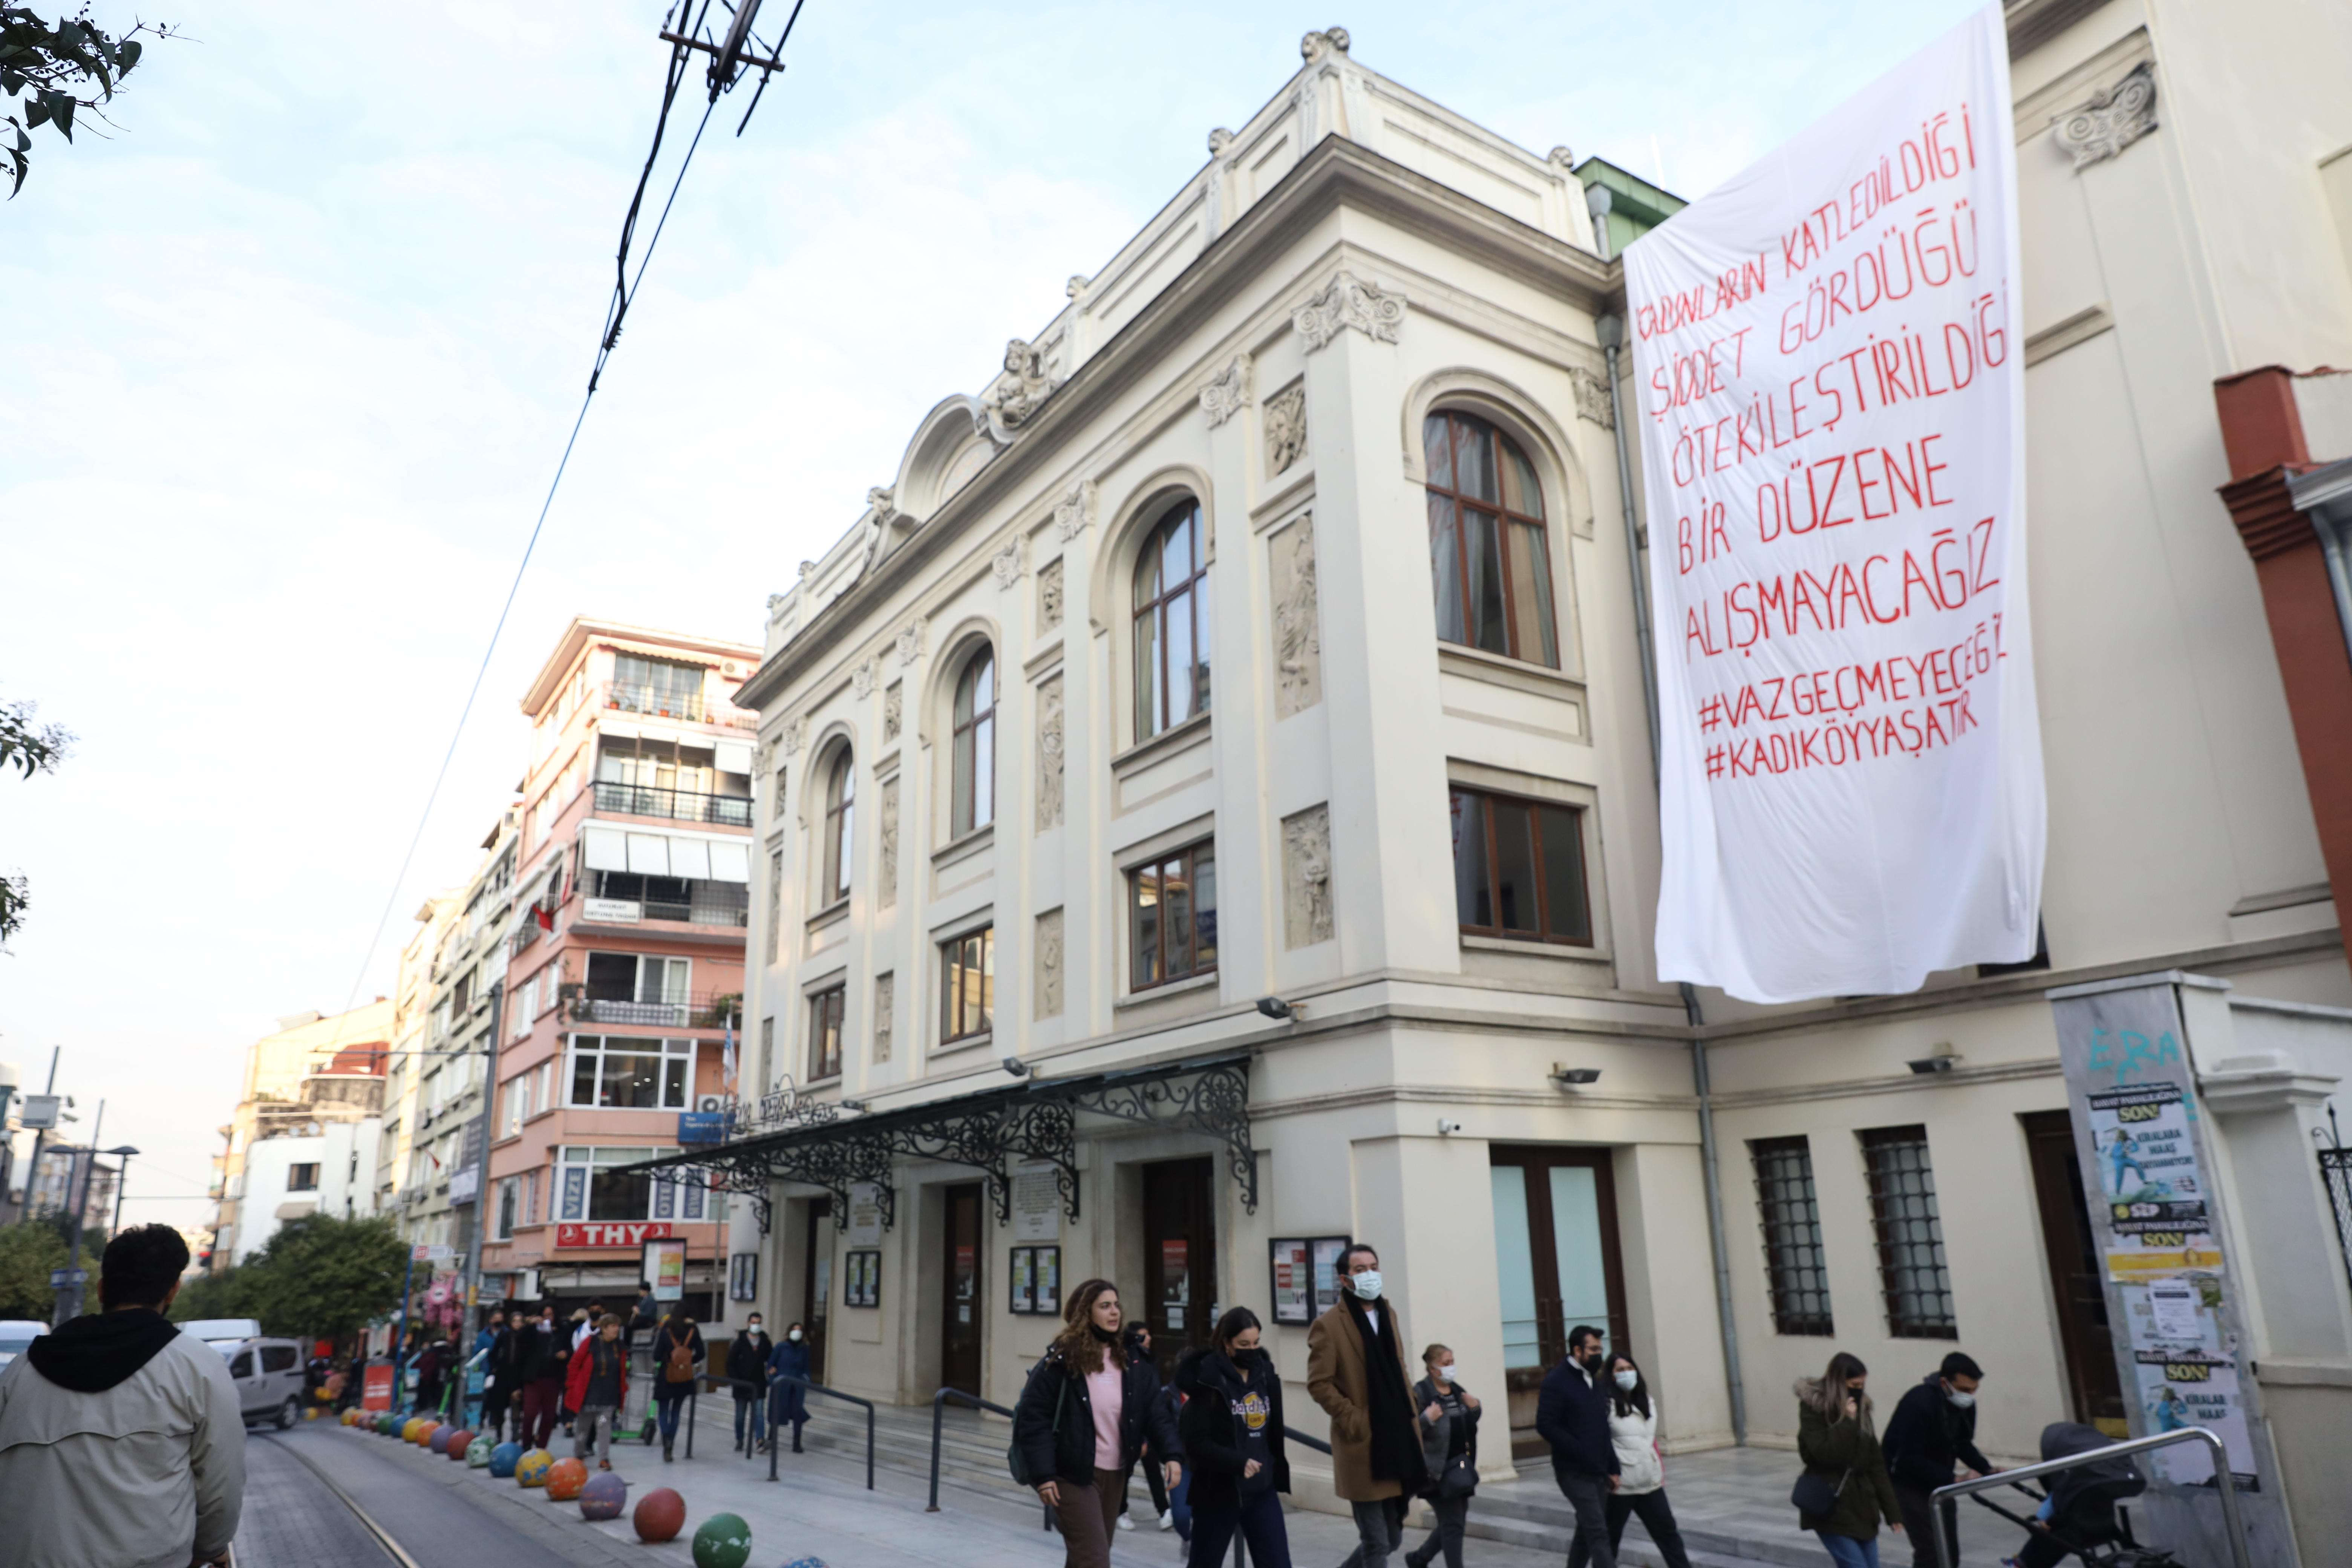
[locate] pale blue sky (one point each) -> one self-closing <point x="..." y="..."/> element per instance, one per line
<point x="293" y="353"/>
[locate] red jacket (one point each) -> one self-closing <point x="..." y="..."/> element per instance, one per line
<point x="576" y="1375"/>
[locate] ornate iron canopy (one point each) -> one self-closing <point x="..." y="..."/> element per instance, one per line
<point x="784" y="1139"/>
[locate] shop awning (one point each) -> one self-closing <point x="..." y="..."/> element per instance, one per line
<point x="788" y="1139"/>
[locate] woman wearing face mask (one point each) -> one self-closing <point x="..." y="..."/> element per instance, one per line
<point x="1641" y="1472"/>
<point x="1232" y="1429"/>
<point x="1845" y="1472"/>
<point x="788" y="1401"/>
<point x="1083" y="1419"/>
<point x="1449" y="1450"/>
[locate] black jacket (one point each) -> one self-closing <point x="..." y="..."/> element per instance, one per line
<point x="1437" y="1441"/>
<point x="543" y="1355"/>
<point x="1212" y="1429"/>
<point x="1069" y="1453"/>
<point x="746" y="1361"/>
<point x="1928" y="1434"/>
<point x="1572" y="1414"/>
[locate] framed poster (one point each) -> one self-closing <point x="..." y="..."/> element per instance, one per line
<point x="1023" y="1275"/>
<point x="1046" y="1300"/>
<point x="862" y="1279"/>
<point x="1290" y="1285"/>
<point x="1324" y="1251"/>
<point x="664" y="1263"/>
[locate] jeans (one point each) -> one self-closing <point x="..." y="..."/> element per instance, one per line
<point x="1180" y="1505"/>
<point x="1917" y="1506"/>
<point x="752" y="1409"/>
<point x="1657" y="1517"/>
<point x="593" y="1428"/>
<point x="1589" y="1495"/>
<point x="666" y="1406"/>
<point x="1452" y="1514"/>
<point x="1379" y="1531"/>
<point x="1259" y="1518"/>
<point x="1847" y="1552"/>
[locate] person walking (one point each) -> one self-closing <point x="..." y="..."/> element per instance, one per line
<point x="121" y="1437"/>
<point x="1932" y="1431"/>
<point x="1356" y="1371"/>
<point x="1084" y="1416"/>
<point x="1138" y="1343"/>
<point x="496" y="1347"/>
<point x="1449" y="1450"/>
<point x="1845" y="1490"/>
<point x="747" y="1372"/>
<point x="1572" y="1415"/>
<point x="585" y="1323"/>
<point x="677" y="1362"/>
<point x="596" y="1383"/>
<point x="545" y="1354"/>
<point x="788" y="1401"/>
<point x="1640" y="1469"/>
<point x="1231" y="1429"/>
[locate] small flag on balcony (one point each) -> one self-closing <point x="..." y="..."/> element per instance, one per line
<point x="546" y="919"/>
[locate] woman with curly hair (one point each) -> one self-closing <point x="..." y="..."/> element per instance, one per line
<point x="1083" y="1419"/>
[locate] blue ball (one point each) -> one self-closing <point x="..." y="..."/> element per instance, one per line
<point x="504" y="1458"/>
<point x="807" y="1562"/>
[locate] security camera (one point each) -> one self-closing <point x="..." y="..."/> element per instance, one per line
<point x="1445" y="1126"/>
<point x="1578" y="1076"/>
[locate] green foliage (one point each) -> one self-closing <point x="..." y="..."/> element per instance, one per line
<point x="227" y="1294"/>
<point x="324" y="1276"/>
<point x="58" y="69"/>
<point x="27" y="1253"/>
<point x="28" y="747"/>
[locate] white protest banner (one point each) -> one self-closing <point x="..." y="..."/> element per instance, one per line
<point x="1831" y="396"/>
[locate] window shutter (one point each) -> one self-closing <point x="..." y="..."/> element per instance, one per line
<point x="734" y="757"/>
<point x="730" y="862"/>
<point x="648" y="854"/>
<point x="690" y="857"/>
<point x="605" y="848"/>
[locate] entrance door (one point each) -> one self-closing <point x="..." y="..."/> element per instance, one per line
<point x="2074" y="1282"/>
<point x="1180" y="1257"/>
<point x="817" y="1277"/>
<point x="1557" y="1263"/>
<point x="960" y="1311"/>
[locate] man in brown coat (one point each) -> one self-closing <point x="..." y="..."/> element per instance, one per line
<point x="1356" y="1371"/>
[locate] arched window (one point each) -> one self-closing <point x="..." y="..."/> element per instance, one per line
<point x="840" y="824"/>
<point x="1171" y="623"/>
<point x="1487" y="553"/>
<point x="975" y="745"/>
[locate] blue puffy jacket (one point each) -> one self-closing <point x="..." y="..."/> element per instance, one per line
<point x="788" y="1401"/>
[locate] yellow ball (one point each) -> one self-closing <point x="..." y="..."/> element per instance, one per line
<point x="531" y="1469"/>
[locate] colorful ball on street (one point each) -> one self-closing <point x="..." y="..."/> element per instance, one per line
<point x="438" y="1439"/>
<point x="564" y="1479"/>
<point x="424" y="1437"/>
<point x="723" y="1541"/>
<point x="478" y="1453"/>
<point x="503" y="1460"/>
<point x="807" y="1562"/>
<point x="388" y="1423"/>
<point x="531" y="1469"/>
<point x="452" y="1443"/>
<point x="659" y="1515"/>
<point x="605" y="1495"/>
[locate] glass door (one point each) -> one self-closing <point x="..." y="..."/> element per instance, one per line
<point x="1557" y="1265"/>
<point x="816" y="1276"/>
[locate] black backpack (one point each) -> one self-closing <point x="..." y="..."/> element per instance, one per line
<point x="1015" y="1459"/>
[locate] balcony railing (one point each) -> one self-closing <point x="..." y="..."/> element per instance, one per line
<point x="707" y="904"/>
<point x="687" y="706"/>
<point x="695" y="1010"/>
<point x="677" y="805"/>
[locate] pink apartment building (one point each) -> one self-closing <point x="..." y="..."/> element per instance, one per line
<point x="625" y="961"/>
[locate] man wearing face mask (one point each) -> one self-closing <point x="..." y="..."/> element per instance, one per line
<point x="1933" y="1429"/>
<point x="1356" y="1371"/>
<point x="1572" y="1415"/>
<point x="747" y="1369"/>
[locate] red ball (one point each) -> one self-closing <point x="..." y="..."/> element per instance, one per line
<point x="456" y="1444"/>
<point x="659" y="1515"/>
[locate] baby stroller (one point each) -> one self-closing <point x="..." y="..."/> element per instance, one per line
<point x="2080" y="1515"/>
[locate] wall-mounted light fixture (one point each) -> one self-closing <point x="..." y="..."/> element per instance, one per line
<point x="1274" y="1007"/>
<point x="855" y="1105"/>
<point x="1015" y="1065"/>
<point x="1944" y="1061"/>
<point x="1567" y="1078"/>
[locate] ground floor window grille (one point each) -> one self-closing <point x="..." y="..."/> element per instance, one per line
<point x="1794" y="1266"/>
<point x="1911" y="1268"/>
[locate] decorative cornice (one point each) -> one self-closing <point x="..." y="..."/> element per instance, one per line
<point x="1322" y="46"/>
<point x="2113" y="119"/>
<point x="1224" y="397"/>
<point x="1349" y="303"/>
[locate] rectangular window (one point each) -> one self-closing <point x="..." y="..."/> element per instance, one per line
<point x="612" y="1073"/>
<point x="592" y="1186"/>
<point x="1518" y="869"/>
<point x="509" y="1204"/>
<point x="1911" y="1270"/>
<point x="824" y="1033"/>
<point x="1173" y="918"/>
<point x="1793" y="1264"/>
<point x="531" y="1198"/>
<point x="304" y="1178"/>
<point x="968" y="985"/>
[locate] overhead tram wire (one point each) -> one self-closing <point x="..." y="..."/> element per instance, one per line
<point x="730" y="60"/>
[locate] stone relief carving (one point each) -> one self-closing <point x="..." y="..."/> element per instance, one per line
<point x="883" y="500"/>
<point x="1298" y="632"/>
<point x="1560" y="158"/>
<point x="1592" y="397"/>
<point x="1285" y="429"/>
<point x="1026" y="383"/>
<point x="1049" y="754"/>
<point x="1219" y="140"/>
<point x="795" y="732"/>
<point x="1076" y="285"/>
<point x="1321" y="45"/>
<point x="775" y="906"/>
<point x="1011" y="563"/>
<point x="862" y="678"/>
<point x="884" y="985"/>
<point x="1049" y="964"/>
<point x="910" y="641"/>
<point x="2113" y="119"/>
<point x="1307" y="877"/>
<point x="776" y="603"/>
<point x="888" y="894"/>
<point x="893" y="702"/>
<point x="1224" y="397"/>
<point x="1049" y="594"/>
<point x="1075" y="512"/>
<point x="1372" y="310"/>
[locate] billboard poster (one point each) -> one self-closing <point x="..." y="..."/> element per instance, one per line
<point x="665" y="1265"/>
<point x="2193" y="1389"/>
<point x="1829" y="388"/>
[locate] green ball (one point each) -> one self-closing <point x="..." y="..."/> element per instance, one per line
<point x="723" y="1540"/>
<point x="478" y="1453"/>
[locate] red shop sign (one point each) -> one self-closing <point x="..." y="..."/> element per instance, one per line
<point x="613" y="1233"/>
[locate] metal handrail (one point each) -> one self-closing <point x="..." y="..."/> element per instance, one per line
<point x="1294" y="1435"/>
<point x="939" y="1408"/>
<point x="2226" y="1485"/>
<point x="777" y="1377"/>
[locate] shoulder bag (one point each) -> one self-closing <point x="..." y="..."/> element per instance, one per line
<point x="1017" y="1461"/>
<point x="1814" y="1496"/>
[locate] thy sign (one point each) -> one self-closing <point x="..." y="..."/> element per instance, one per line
<point x="618" y="1233"/>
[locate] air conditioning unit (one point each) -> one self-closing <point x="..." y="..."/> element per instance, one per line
<point x="712" y="1103"/>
